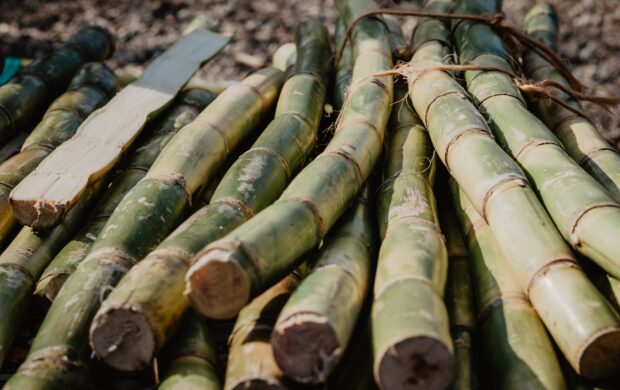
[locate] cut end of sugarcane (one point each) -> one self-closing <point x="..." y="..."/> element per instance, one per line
<point x="416" y="363"/>
<point x="50" y="286"/>
<point x="216" y="286"/>
<point x="123" y="339"/>
<point x="601" y="358"/>
<point x="36" y="213"/>
<point x="306" y="347"/>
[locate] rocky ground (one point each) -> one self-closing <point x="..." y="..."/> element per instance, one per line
<point x="144" y="28"/>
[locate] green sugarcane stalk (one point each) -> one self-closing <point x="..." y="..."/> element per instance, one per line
<point x="410" y="329"/>
<point x="228" y="273"/>
<point x="517" y="350"/>
<point x="24" y="98"/>
<point x="251" y="363"/>
<point x="400" y="47"/>
<point x="191" y="360"/>
<point x="151" y="297"/>
<point x="144" y="217"/>
<point x="154" y="138"/>
<point x="579" y="136"/>
<point x="316" y="324"/>
<point x="91" y="87"/>
<point x="24" y="260"/>
<point x="344" y="67"/>
<point x="583" y="324"/>
<point x="459" y="296"/>
<point x="584" y="212"/>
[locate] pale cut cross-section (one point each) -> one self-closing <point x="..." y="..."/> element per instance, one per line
<point x="42" y="198"/>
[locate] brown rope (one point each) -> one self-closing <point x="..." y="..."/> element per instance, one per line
<point x="499" y="22"/>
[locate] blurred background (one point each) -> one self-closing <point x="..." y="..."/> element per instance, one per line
<point x="590" y="33"/>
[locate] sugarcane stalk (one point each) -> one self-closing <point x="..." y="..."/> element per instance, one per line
<point x="314" y="328"/>
<point x="42" y="198"/>
<point x="151" y="297"/>
<point x="144" y="217"/>
<point x="91" y="87"/>
<point x="191" y="360"/>
<point x="517" y="350"/>
<point x="24" y="260"/>
<point x="154" y="138"/>
<point x="410" y="328"/>
<point x="228" y="273"/>
<point x="584" y="212"/>
<point x="459" y="296"/>
<point x="583" y="324"/>
<point x="578" y="134"/>
<point x="400" y="47"/>
<point x="12" y="147"/>
<point x="24" y="98"/>
<point x="344" y="67"/>
<point x="251" y="363"/>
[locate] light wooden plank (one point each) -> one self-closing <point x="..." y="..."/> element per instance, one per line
<point x="42" y="198"/>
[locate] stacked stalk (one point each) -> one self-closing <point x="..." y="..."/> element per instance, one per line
<point x="584" y="212"/>
<point x="459" y="297"/>
<point x="25" y="97"/>
<point x="579" y="136"/>
<point x="410" y="328"/>
<point x="144" y="217"/>
<point x="229" y="272"/>
<point x="151" y="297"/>
<point x="583" y="324"/>
<point x="516" y="347"/>
<point x="191" y="360"/>
<point x="314" y="328"/>
<point x="251" y="363"/>
<point x="89" y="89"/>
<point x="23" y="261"/>
<point x="154" y="138"/>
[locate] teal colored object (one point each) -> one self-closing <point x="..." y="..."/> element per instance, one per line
<point x="12" y="65"/>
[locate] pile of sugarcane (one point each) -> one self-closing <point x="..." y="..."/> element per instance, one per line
<point x="184" y="238"/>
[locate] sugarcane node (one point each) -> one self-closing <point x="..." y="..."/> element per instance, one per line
<point x="419" y="362"/>
<point x="600" y="357"/>
<point x="123" y="338"/>
<point x="216" y="285"/>
<point x="306" y="347"/>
